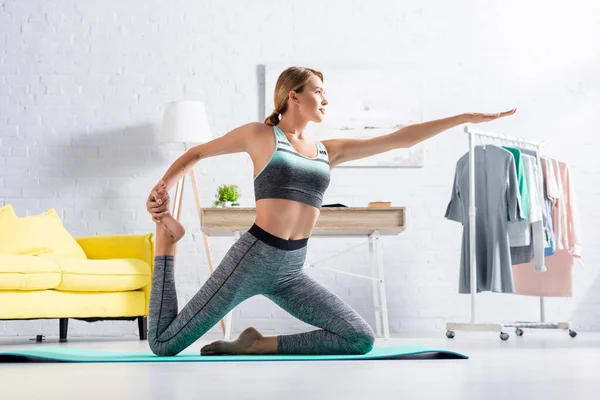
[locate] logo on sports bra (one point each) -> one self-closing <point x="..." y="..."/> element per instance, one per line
<point x="322" y="152"/>
<point x="282" y="142"/>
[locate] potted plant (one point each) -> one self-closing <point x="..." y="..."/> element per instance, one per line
<point x="227" y="196"/>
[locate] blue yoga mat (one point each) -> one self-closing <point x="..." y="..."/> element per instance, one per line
<point x="66" y="354"/>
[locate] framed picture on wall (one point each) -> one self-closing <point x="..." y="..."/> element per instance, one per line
<point x="364" y="101"/>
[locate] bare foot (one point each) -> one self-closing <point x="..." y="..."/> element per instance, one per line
<point x="250" y="341"/>
<point x="173" y="227"/>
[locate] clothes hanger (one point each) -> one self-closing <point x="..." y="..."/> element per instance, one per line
<point x="482" y="143"/>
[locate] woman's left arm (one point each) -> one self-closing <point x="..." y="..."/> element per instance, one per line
<point x="344" y="150"/>
<point x="411" y="135"/>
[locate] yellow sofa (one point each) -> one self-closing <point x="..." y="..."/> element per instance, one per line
<point x="46" y="273"/>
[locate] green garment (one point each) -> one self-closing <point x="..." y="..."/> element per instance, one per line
<point x="523" y="188"/>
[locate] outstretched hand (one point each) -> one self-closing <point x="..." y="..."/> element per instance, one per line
<point x="476" y="118"/>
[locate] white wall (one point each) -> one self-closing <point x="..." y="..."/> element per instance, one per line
<point x="83" y="85"/>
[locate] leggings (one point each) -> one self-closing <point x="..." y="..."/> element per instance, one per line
<point x="257" y="264"/>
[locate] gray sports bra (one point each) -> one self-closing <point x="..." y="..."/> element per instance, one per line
<point x="293" y="176"/>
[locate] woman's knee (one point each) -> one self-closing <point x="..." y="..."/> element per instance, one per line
<point x="163" y="351"/>
<point x="160" y="349"/>
<point x="365" y="342"/>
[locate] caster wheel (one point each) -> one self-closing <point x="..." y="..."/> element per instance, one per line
<point x="504" y="336"/>
<point x="572" y="333"/>
<point x="450" y="334"/>
<point x="519" y="332"/>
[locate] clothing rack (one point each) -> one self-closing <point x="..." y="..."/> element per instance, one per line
<point x="494" y="327"/>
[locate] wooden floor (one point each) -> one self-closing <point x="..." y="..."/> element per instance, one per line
<point x="539" y="365"/>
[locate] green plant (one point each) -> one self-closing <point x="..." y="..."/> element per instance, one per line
<point x="227" y="193"/>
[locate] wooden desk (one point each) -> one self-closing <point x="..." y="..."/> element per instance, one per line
<point x="370" y="222"/>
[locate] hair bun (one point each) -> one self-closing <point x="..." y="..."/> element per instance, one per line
<point x="272" y="119"/>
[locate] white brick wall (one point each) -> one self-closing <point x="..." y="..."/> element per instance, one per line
<point x="83" y="83"/>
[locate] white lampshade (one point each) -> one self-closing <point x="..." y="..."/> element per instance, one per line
<point x="185" y="122"/>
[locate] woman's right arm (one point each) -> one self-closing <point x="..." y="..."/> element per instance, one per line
<point x="238" y="140"/>
<point x="235" y="141"/>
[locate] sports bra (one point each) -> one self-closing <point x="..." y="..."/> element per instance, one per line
<point x="293" y="176"/>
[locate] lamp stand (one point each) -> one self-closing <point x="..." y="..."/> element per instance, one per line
<point x="177" y="212"/>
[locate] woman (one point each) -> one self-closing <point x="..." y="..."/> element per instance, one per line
<point x="291" y="174"/>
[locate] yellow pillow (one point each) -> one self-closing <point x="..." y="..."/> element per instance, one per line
<point x="43" y="234"/>
<point x="7" y="213"/>
<point x="8" y="219"/>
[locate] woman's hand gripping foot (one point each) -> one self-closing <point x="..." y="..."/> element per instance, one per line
<point x="157" y="204"/>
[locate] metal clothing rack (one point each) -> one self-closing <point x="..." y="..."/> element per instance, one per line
<point x="494" y="327"/>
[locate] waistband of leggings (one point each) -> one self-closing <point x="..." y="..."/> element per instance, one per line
<point x="275" y="241"/>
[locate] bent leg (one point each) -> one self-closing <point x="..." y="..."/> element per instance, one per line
<point x="343" y="331"/>
<point x="170" y="332"/>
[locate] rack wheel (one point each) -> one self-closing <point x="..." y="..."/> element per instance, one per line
<point x="450" y="334"/>
<point x="519" y="332"/>
<point x="504" y="336"/>
<point x="572" y="333"/>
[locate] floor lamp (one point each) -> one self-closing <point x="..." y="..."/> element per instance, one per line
<point x="185" y="122"/>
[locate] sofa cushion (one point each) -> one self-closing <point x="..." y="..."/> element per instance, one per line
<point x="26" y="272"/>
<point x="112" y="275"/>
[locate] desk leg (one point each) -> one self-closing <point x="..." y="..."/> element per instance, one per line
<point x="376" y="295"/>
<point x="384" y="309"/>
<point x="229" y="318"/>
<point x="379" y="295"/>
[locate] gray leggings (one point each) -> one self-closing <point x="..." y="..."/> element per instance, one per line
<point x="258" y="263"/>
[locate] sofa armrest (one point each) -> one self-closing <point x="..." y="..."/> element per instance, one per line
<point x="138" y="246"/>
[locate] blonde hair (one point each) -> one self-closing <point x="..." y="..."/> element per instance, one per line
<point x="293" y="78"/>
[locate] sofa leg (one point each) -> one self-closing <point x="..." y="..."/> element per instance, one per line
<point x="143" y="327"/>
<point x="64" y="326"/>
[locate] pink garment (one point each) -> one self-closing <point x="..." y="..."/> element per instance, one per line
<point x="557" y="281"/>
<point x="572" y="228"/>
<point x="562" y="215"/>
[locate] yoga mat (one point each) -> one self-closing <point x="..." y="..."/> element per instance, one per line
<point x="66" y="354"/>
